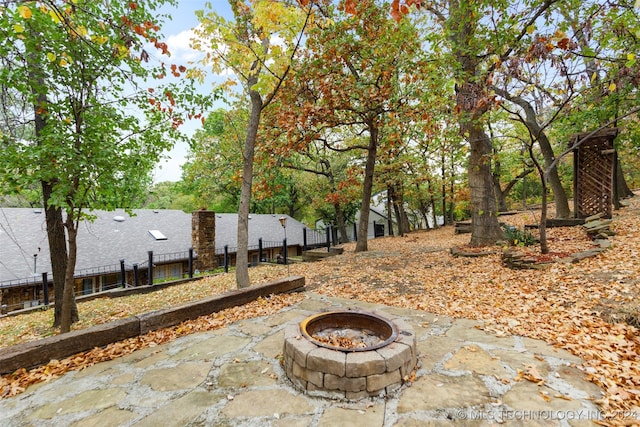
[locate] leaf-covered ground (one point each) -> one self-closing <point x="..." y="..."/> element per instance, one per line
<point x="569" y="305"/>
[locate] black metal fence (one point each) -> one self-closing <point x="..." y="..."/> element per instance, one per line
<point x="125" y="274"/>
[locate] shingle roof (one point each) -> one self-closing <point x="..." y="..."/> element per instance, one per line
<point x="106" y="241"/>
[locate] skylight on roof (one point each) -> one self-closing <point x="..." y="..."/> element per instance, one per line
<point x="157" y="234"/>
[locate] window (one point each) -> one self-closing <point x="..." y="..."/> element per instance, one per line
<point x="87" y="286"/>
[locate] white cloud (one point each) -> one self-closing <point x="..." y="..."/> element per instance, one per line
<point x="180" y="46"/>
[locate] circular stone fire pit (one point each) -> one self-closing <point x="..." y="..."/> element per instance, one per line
<point x="349" y="354"/>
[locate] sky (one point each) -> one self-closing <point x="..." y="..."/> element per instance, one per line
<point x="177" y="35"/>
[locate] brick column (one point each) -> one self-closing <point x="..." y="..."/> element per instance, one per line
<point x="203" y="238"/>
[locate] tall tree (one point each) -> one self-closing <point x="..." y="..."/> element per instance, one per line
<point x="349" y="83"/>
<point x="334" y="190"/>
<point x="89" y="151"/>
<point x="257" y="46"/>
<point x="531" y="116"/>
<point x="480" y="35"/>
<point x="170" y="195"/>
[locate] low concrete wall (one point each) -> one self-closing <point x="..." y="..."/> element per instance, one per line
<point x="40" y="352"/>
<point x="317" y="254"/>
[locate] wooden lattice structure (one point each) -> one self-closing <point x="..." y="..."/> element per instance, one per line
<point x="594" y="169"/>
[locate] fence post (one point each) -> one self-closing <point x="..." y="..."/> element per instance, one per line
<point x="136" y="277"/>
<point x="226" y="258"/>
<point x="45" y="288"/>
<point x="150" y="270"/>
<point x="190" y="263"/>
<point x="260" y="255"/>
<point x="122" y="276"/>
<point x="304" y="238"/>
<point x="328" y="230"/>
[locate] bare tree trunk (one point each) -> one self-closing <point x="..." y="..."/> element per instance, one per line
<point x="486" y="229"/>
<point x="434" y="216"/>
<point x="502" y="193"/>
<point x="58" y="255"/>
<point x="424" y="206"/>
<point x="403" y="222"/>
<point x="293" y="198"/>
<point x="337" y="207"/>
<point x="531" y="122"/>
<point x="452" y="202"/>
<point x="623" y="189"/>
<point x="500" y="196"/>
<point x="242" y="255"/>
<point x="444" y="188"/>
<point x="390" y="210"/>
<point x="342" y="227"/>
<point x="367" y="186"/>
<point x="397" y="201"/>
<point x="471" y="104"/>
<point x="559" y="195"/>
<point x="542" y="227"/>
<point x="497" y="173"/>
<point x="68" y="295"/>
<point x="395" y="209"/>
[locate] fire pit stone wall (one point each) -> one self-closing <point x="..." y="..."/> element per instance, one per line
<point x="324" y="372"/>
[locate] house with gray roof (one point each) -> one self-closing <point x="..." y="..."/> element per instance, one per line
<point x="117" y="242"/>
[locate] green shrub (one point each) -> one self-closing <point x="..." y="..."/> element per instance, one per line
<point x="518" y="237"/>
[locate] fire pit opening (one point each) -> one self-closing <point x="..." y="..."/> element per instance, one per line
<point x="349" y="330"/>
<point x="349" y="354"/>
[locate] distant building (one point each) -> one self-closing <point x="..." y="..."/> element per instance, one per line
<point x="378" y="226"/>
<point x="381" y="222"/>
<point x="116" y="240"/>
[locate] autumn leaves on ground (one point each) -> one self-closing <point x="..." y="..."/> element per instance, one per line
<point x="569" y="305"/>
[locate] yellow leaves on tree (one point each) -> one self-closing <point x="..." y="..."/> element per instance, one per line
<point x="259" y="44"/>
<point x="81" y="31"/>
<point x="24" y="12"/>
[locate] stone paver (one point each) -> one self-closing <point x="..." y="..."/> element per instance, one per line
<point x="110" y="417"/>
<point x="239" y="375"/>
<point x="346" y="417"/>
<point x="275" y="403"/>
<point x="234" y="377"/>
<point x="181" y="376"/>
<point x="213" y="347"/>
<point x="443" y="392"/>
<point x="92" y="399"/>
<point x="271" y="346"/>
<point x="474" y="359"/>
<point x="190" y="407"/>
